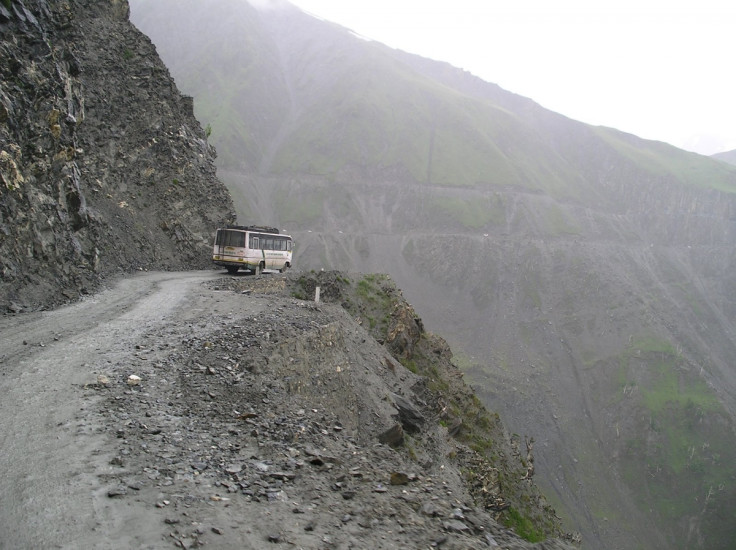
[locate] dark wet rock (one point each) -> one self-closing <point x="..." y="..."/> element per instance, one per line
<point x="393" y="437"/>
<point x="282" y="475"/>
<point x="437" y="543"/>
<point x="116" y="461"/>
<point x="409" y="416"/>
<point x="454" y="428"/>
<point x="433" y="509"/>
<point x="455" y="526"/>
<point x="399" y="478"/>
<point x="117" y="492"/>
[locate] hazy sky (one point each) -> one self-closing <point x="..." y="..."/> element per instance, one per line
<point x="660" y="69"/>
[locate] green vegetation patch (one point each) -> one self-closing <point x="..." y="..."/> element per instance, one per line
<point x="523" y="526"/>
<point x="380" y="117"/>
<point x="678" y="449"/>
<point x="652" y="344"/>
<point x="661" y="159"/>
<point x="671" y="390"/>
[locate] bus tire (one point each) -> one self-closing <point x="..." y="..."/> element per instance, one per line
<point x="258" y="270"/>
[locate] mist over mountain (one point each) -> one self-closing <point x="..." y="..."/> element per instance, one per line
<point x="726" y="156"/>
<point x="585" y="277"/>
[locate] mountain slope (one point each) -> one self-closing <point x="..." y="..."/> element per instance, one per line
<point x="727" y="156"/>
<point x="586" y="276"/>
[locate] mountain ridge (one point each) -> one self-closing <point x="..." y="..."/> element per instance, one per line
<point x="289" y="51"/>
<point x="726" y="156"/>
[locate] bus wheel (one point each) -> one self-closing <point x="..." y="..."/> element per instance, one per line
<point x="283" y="269"/>
<point x="232" y="269"/>
<point x="258" y="270"/>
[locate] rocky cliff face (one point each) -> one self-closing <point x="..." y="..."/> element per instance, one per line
<point x="103" y="166"/>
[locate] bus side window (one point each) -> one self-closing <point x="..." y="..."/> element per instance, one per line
<point x="228" y="239"/>
<point x="255" y="242"/>
<point x="268" y="244"/>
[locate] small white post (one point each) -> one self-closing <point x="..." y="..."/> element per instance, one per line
<point x="316" y="294"/>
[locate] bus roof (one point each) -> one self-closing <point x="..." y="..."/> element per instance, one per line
<point x="261" y="228"/>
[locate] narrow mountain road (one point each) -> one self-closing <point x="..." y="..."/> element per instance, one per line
<point x="52" y="457"/>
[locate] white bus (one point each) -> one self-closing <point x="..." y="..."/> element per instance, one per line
<point x="252" y="247"/>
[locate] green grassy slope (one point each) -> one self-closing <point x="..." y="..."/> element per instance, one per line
<point x="289" y="94"/>
<point x="382" y="119"/>
<point x="662" y="160"/>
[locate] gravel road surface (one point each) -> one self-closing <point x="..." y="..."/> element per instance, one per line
<point x="54" y="446"/>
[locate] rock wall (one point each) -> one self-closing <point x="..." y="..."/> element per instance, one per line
<point x="103" y="167"/>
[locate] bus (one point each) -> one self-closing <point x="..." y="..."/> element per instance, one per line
<point x="252" y="247"/>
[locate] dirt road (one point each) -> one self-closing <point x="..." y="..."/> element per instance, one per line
<point x="54" y="449"/>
